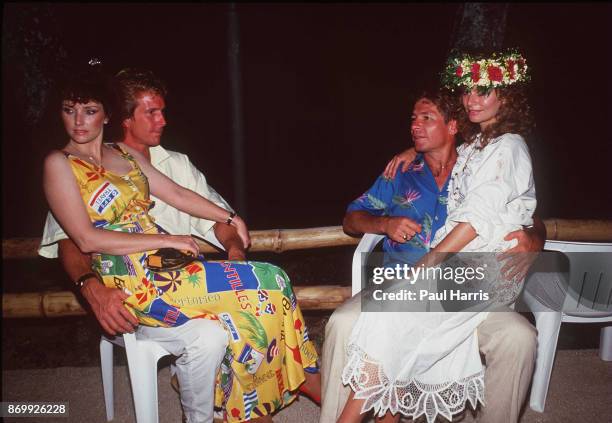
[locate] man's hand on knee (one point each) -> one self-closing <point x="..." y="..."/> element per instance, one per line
<point x="107" y="305"/>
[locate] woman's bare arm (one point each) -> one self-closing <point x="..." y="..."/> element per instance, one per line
<point x="64" y="198"/>
<point x="185" y="199"/>
<point x="453" y="242"/>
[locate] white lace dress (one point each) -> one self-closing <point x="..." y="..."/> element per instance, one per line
<point x="429" y="363"/>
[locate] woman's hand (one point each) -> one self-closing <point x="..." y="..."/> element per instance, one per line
<point x="184" y="243"/>
<point x="242" y="230"/>
<point x="404" y="158"/>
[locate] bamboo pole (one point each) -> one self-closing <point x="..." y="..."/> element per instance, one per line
<point x="275" y="240"/>
<point x="279" y="240"/>
<point x="64" y="303"/>
<point x="578" y="230"/>
<point x="41" y="304"/>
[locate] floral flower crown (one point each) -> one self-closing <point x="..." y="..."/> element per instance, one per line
<point x="500" y="70"/>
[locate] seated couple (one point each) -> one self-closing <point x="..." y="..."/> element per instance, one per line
<point x="475" y="198"/>
<point x="235" y="325"/>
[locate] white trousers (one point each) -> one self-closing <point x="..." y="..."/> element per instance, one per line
<point x="200" y="346"/>
<point x="506" y="339"/>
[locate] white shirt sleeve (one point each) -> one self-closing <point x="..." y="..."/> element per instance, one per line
<point x="501" y="189"/>
<point x="199" y="226"/>
<point x="52" y="233"/>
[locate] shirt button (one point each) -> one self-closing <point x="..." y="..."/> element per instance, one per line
<point x="436" y="218"/>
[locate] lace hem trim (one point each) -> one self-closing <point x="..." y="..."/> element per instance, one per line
<point x="411" y="398"/>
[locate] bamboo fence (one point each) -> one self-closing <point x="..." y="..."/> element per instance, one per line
<point x="324" y="297"/>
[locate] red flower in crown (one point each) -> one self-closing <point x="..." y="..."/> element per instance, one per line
<point x="510" y="67"/>
<point x="495" y="73"/>
<point x="459" y="71"/>
<point x="475" y="72"/>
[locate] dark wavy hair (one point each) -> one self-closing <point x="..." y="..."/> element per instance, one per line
<point x="514" y="116"/>
<point x="446" y="102"/>
<point x="85" y="83"/>
<point x="130" y="83"/>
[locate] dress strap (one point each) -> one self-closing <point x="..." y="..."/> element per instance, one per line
<point x="127" y="156"/>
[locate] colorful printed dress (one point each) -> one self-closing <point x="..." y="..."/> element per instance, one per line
<point x="269" y="347"/>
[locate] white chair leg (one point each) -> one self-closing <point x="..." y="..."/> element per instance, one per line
<point x="605" y="343"/>
<point x="143" y="379"/>
<point x="548" y="324"/>
<point x="106" y="364"/>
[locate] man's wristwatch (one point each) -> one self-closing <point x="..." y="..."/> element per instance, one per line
<point x="81" y="280"/>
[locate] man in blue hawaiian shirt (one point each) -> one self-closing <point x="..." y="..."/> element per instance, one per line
<point x="408" y="209"/>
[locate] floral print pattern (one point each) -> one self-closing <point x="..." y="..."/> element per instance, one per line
<point x="412" y="194"/>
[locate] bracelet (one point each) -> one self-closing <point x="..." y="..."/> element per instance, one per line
<point x="81" y="280"/>
<point x="230" y="218"/>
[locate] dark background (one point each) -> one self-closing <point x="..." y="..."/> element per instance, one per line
<point x="326" y="96"/>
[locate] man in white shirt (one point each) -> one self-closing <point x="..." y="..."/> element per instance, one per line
<point x="200" y="343"/>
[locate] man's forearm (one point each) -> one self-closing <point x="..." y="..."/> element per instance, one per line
<point x="106" y="303"/>
<point x="231" y="241"/>
<point x="74" y="262"/>
<point x="361" y="222"/>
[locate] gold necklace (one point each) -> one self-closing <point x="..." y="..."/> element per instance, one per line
<point x="96" y="162"/>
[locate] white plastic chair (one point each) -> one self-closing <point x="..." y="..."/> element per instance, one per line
<point x="591" y="276"/>
<point x="142" y="359"/>
<point x="366" y="245"/>
<point x="142" y="356"/>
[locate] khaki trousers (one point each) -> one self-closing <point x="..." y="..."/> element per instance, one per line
<point x="506" y="339"/>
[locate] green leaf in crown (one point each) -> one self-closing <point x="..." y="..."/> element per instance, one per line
<point x="254" y="330"/>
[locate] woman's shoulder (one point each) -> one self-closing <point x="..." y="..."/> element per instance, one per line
<point x="56" y="163"/>
<point x="510" y="142"/>
<point x="55" y="157"/>
<point x="509" y="138"/>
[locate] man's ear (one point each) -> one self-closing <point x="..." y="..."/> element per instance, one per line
<point x="452" y="127"/>
<point x="126" y="123"/>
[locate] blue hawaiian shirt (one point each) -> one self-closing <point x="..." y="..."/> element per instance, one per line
<point x="415" y="195"/>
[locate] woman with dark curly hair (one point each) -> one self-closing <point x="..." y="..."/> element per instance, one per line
<point x="435" y="369"/>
